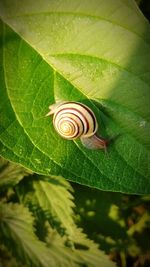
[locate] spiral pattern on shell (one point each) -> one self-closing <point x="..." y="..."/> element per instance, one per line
<point x="73" y="119"/>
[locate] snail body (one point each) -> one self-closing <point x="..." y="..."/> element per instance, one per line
<point x="74" y="120"/>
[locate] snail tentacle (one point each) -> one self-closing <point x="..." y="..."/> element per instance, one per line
<point x="53" y="108"/>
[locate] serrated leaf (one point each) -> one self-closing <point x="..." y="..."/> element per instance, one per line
<point x="10" y="173"/>
<point x="6" y="258"/>
<point x="53" y="196"/>
<point x="17" y="233"/>
<point x="98" y="53"/>
<point x="55" y="199"/>
<point x="86" y="251"/>
<point x="89" y="251"/>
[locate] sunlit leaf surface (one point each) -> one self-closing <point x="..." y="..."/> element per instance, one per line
<point x="96" y="52"/>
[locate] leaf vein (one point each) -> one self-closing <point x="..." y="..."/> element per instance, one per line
<point x="64" y="13"/>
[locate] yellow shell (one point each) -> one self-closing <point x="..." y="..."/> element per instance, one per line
<point x="73" y="119"/>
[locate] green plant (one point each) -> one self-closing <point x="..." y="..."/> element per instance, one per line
<point x="119" y="223"/>
<point x="38" y="215"/>
<point x="37" y="223"/>
<point x="95" y="52"/>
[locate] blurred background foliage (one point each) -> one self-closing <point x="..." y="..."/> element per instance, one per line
<point x="119" y="223"/>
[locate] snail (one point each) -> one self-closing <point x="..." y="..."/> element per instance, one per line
<point x="74" y="120"/>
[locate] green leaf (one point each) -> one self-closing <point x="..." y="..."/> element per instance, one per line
<point x="118" y="222"/>
<point x="10" y="173"/>
<point x="86" y="251"/>
<point x="17" y="233"/>
<point x="97" y="212"/>
<point x="55" y="199"/>
<point x="94" y="52"/>
<point x="53" y="196"/>
<point x="6" y="258"/>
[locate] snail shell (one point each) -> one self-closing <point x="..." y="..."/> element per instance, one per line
<point x="75" y="120"/>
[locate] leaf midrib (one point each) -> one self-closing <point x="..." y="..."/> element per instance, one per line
<point x="24" y="242"/>
<point x="99" y="59"/>
<point x="62" y="220"/>
<point x="78" y="14"/>
<point x="91" y="56"/>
